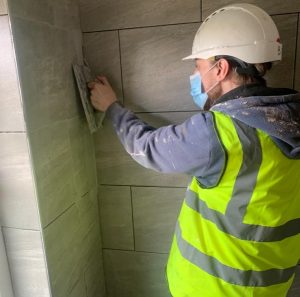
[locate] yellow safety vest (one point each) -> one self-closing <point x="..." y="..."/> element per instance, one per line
<point x="240" y="237"/>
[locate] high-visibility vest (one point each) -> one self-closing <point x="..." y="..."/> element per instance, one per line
<point x="240" y="237"/>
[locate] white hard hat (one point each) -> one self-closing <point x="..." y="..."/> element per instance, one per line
<point x="243" y="31"/>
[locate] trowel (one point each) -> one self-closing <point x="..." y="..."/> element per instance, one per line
<point x="83" y="75"/>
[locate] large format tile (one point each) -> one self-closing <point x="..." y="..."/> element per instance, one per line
<point x="71" y="243"/>
<point x="131" y="274"/>
<point x="297" y="75"/>
<point x="101" y="50"/>
<point x="27" y="263"/>
<point x="116" y="217"/>
<point x="79" y="289"/>
<point x="116" y="167"/>
<point x="106" y="15"/>
<point x="5" y="279"/>
<point x="94" y="278"/>
<point x="40" y="11"/>
<point x="155" y="77"/>
<point x="18" y="205"/>
<point x="45" y="70"/>
<point x="54" y="171"/>
<point x="3" y="7"/>
<point x="83" y="156"/>
<point x="287" y="27"/>
<point x="155" y="211"/>
<point x="271" y="7"/>
<point x="11" y="113"/>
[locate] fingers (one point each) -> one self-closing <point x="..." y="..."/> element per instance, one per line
<point x="91" y="84"/>
<point x="103" y="80"/>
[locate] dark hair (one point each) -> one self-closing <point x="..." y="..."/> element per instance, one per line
<point x="247" y="73"/>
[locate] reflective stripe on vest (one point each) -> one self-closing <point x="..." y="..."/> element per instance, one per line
<point x="246" y="230"/>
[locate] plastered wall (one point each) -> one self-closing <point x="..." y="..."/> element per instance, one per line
<point x="139" y="46"/>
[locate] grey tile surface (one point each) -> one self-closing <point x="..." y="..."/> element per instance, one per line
<point x="116" y="217"/>
<point x="66" y="14"/>
<point x="54" y="170"/>
<point x="49" y="92"/>
<point x="18" y="205"/>
<point x="27" y="263"/>
<point x="11" y="113"/>
<point x="295" y="288"/>
<point x="83" y="156"/>
<point x="154" y="75"/>
<point x="3" y="7"/>
<point x="271" y="7"/>
<point x="104" y="15"/>
<point x="41" y="11"/>
<point x="72" y="242"/>
<point x="287" y="27"/>
<point x="155" y="213"/>
<point x="79" y="289"/>
<point x="116" y="167"/>
<point x="94" y="278"/>
<point x="135" y="274"/>
<point x="101" y="50"/>
<point x="297" y="77"/>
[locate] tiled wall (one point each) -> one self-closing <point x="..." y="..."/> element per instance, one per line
<point x="139" y="46"/>
<point x="19" y="219"/>
<point x="63" y="225"/>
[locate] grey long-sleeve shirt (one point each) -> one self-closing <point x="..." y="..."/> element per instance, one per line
<point x="184" y="148"/>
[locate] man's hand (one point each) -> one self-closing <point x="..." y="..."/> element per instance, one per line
<point x="102" y="94"/>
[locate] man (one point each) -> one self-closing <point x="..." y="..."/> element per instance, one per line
<point x="238" y="230"/>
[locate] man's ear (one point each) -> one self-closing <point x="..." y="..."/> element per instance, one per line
<point x="223" y="69"/>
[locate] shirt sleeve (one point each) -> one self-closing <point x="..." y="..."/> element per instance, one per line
<point x="183" y="148"/>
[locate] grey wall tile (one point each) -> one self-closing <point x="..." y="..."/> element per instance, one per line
<point x="11" y="113"/>
<point x="271" y="7"/>
<point x="103" y="15"/>
<point x="72" y="244"/>
<point x="155" y="213"/>
<point x="94" y="278"/>
<point x="54" y="171"/>
<point x="131" y="274"/>
<point x="101" y="50"/>
<point x="79" y="290"/>
<point x="297" y="77"/>
<point x="48" y="60"/>
<point x="3" y="7"/>
<point x="287" y="27"/>
<point x="116" y="167"/>
<point x="64" y="242"/>
<point x="26" y="261"/>
<point x="116" y="217"/>
<point x="18" y="205"/>
<point x="83" y="156"/>
<point x="5" y="280"/>
<point x="41" y="11"/>
<point x="66" y="14"/>
<point x="295" y="288"/>
<point x="154" y="75"/>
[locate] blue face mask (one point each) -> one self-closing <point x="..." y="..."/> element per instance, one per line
<point x="199" y="96"/>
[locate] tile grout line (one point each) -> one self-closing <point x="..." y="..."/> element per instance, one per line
<point x="140" y="27"/>
<point x="201" y="10"/>
<point x="121" y="69"/>
<point x="61" y="214"/>
<point x="135" y="251"/>
<point x="296" y="53"/>
<point x="132" y="218"/>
